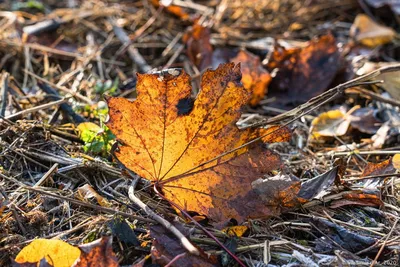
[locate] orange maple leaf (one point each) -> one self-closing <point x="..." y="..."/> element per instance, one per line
<point x="255" y="77"/>
<point x="192" y="149"/>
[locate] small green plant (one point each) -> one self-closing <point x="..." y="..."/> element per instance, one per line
<point x="98" y="139"/>
<point x="109" y="87"/>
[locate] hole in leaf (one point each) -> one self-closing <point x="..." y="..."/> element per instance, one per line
<point x="185" y="106"/>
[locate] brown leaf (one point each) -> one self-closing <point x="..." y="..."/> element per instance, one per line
<point x="166" y="248"/>
<point x="183" y="146"/>
<point x="384" y="167"/>
<point x="254" y="77"/>
<point x="363" y="197"/>
<point x="302" y="72"/>
<point x="97" y="254"/>
<point x="198" y="46"/>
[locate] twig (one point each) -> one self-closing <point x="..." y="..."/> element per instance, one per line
<point x="184" y="241"/>
<point x="77" y="202"/>
<point x="201" y="227"/>
<point x="54" y="95"/>
<point x="384" y="244"/>
<point x="133" y="52"/>
<point x="373" y="95"/>
<point x="347" y="153"/>
<point x="177" y="257"/>
<point x="37" y="108"/>
<point x="46" y="175"/>
<point x="62" y="88"/>
<point x="4" y="92"/>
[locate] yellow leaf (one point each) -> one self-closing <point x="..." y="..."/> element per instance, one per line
<point x="238" y="230"/>
<point x="396" y="161"/>
<point x="57" y="253"/>
<point x="88" y="126"/>
<point x="330" y="123"/>
<point x="369" y="33"/>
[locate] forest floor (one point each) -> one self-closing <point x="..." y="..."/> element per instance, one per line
<point x="308" y="64"/>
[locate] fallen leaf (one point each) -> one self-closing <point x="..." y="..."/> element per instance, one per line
<point x="364" y="197"/>
<point x="396" y="161"/>
<point x="318" y="186"/>
<point x="192" y="150"/>
<point x="391" y="80"/>
<point x="237" y="230"/>
<point x="365" y="120"/>
<point x="369" y="33"/>
<point x="57" y="253"/>
<point x="330" y="123"/>
<point x="167" y="248"/>
<point x="121" y="229"/>
<point x="198" y="46"/>
<point x="348" y="240"/>
<point x="254" y="77"/>
<point x="97" y="253"/>
<point x="172" y="9"/>
<point x="86" y="192"/>
<point x="384" y="167"/>
<point x="302" y="73"/>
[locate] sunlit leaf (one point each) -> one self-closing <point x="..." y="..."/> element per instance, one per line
<point x="369" y="33"/>
<point x="182" y="145"/>
<point x="330" y="123"/>
<point x="56" y="252"/>
<point x="254" y="77"/>
<point x="238" y="230"/>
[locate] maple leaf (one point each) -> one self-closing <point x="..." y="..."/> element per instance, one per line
<point x="199" y="48"/>
<point x="255" y="77"/>
<point x="302" y="73"/>
<point x="192" y="149"/>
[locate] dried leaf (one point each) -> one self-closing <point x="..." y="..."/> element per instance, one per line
<point x="181" y="145"/>
<point x="97" y="253"/>
<point x="302" y="72"/>
<point x="166" y="247"/>
<point x="86" y="192"/>
<point x="330" y="123"/>
<point x="199" y="49"/>
<point x="384" y="167"/>
<point x="254" y="77"/>
<point x="121" y="229"/>
<point x="172" y="9"/>
<point x="365" y="120"/>
<point x="237" y="230"/>
<point x="365" y="197"/>
<point x="369" y="33"/>
<point x="348" y="240"/>
<point x="396" y="161"/>
<point x="318" y="187"/>
<point x="56" y="252"/>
